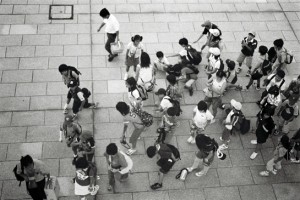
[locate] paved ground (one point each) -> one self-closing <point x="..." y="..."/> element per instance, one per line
<point x="32" y="94"/>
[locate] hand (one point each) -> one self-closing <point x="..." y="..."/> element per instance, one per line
<point x="114" y="170"/>
<point x="60" y="139"/>
<point x="195" y="42"/>
<point x="91" y="188"/>
<point x="98" y="30"/>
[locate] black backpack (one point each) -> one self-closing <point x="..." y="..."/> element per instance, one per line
<point x="176" y="105"/>
<point x="243" y="124"/>
<point x="222" y="66"/>
<point x="18" y="176"/>
<point x="175" y="70"/>
<point x="74" y="69"/>
<point x="193" y="55"/>
<point x="266" y="67"/>
<point x="86" y="92"/>
<point x="175" y="151"/>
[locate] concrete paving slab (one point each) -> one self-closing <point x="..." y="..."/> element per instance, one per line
<point x="11" y="190"/>
<point x="242" y="176"/>
<point x="42" y="133"/>
<point x="222" y="193"/>
<point x="257" y="192"/>
<point x="15" y="151"/>
<point x="29" y="118"/>
<point x="3" y="151"/>
<point x="285" y="191"/>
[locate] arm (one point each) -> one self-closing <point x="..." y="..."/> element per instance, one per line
<point x="199" y="38"/>
<point x="100" y="26"/>
<point x="174" y="55"/>
<point x="125" y="128"/>
<point x="118" y="38"/>
<point x="137" y="73"/>
<point x="82" y="104"/>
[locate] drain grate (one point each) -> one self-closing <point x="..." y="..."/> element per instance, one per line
<point x="61" y="12"/>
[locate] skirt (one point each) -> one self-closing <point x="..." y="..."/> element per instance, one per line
<point x="81" y="190"/>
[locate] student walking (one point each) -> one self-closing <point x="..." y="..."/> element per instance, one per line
<point x="69" y="73"/>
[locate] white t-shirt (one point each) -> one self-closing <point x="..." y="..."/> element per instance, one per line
<point x="163" y="61"/>
<point x="218" y="85"/>
<point x="183" y="52"/>
<point x="133" y="50"/>
<point x="133" y="96"/>
<point x="201" y="118"/>
<point x="273" y="82"/>
<point x="165" y="103"/>
<point x="111" y="24"/>
<point x="273" y="100"/>
<point x="213" y="63"/>
<point x="145" y="74"/>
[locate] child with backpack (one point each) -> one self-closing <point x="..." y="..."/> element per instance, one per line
<point x="231" y="75"/>
<point x="293" y="90"/>
<point x="136" y="93"/>
<point x="262" y="68"/>
<point x="201" y="118"/>
<point x="207" y="148"/>
<point x="169" y="122"/>
<point x="265" y="128"/>
<point x="133" y="53"/>
<point x="280" y="151"/>
<point x="165" y="101"/>
<point x="230" y="121"/>
<point x="80" y="97"/>
<point x="161" y="63"/>
<point x="188" y="77"/>
<point x="69" y="73"/>
<point x="167" y="155"/>
<point x="86" y="146"/>
<point x="249" y="45"/>
<point x="130" y="117"/>
<point x="215" y="63"/>
<point x="272" y="100"/>
<point x="283" y="56"/>
<point x="173" y="90"/>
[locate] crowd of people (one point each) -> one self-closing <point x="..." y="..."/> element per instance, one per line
<point x="278" y="100"/>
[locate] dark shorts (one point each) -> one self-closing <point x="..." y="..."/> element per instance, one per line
<point x="77" y="104"/>
<point x="261" y="136"/>
<point x="165" y="164"/>
<point x="39" y="192"/>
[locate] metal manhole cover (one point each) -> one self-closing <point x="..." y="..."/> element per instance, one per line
<point x="61" y="12"/>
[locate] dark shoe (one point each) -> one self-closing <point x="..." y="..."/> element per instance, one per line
<point x="191" y="91"/>
<point x="156" y="186"/>
<point x="110" y="58"/>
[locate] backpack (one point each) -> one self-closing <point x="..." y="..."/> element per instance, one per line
<point x="175" y="151"/>
<point x="142" y="92"/>
<point x="74" y="69"/>
<point x="267" y="81"/>
<point x="175" y="70"/>
<point x="285" y="115"/>
<point x="289" y="57"/>
<point x="193" y="55"/>
<point x="193" y="68"/>
<point x="86" y="92"/>
<point x="150" y="87"/>
<point x="205" y="143"/>
<point x="266" y="67"/>
<point x="243" y="124"/>
<point x="147" y="119"/>
<point x="176" y="105"/>
<point x="18" y="176"/>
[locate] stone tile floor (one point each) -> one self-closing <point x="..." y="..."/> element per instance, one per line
<point x="32" y="94"/>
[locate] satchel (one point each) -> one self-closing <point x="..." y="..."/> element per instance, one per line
<point x="117" y="47"/>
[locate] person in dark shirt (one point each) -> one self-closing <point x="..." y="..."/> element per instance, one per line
<point x="249" y="44"/>
<point x="265" y="127"/>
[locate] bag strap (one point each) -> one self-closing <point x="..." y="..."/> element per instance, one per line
<point x="282" y="82"/>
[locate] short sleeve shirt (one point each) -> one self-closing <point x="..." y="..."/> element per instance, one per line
<point x="201" y="118"/>
<point x="135" y="51"/>
<point x="133" y="96"/>
<point x="39" y="169"/>
<point x="165" y="103"/>
<point x="273" y="82"/>
<point x="134" y="119"/>
<point x="267" y="124"/>
<point x="206" y="31"/>
<point x="112" y="24"/>
<point x="281" y="55"/>
<point x="213" y="63"/>
<point x="252" y="44"/>
<point x="288" y="108"/>
<point x="230" y="118"/>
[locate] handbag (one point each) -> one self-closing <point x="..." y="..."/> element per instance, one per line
<point x="207" y="92"/>
<point x="117" y="47"/>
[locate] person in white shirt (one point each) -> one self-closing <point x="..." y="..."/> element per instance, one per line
<point x="165" y="102"/>
<point x="183" y="54"/>
<point x="201" y="117"/>
<point x="112" y="30"/>
<point x="145" y="73"/>
<point x="214" y="61"/>
<point x="162" y="62"/>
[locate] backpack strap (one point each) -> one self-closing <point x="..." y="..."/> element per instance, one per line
<point x="282" y="82"/>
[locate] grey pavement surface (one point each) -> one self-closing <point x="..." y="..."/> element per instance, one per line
<point x="32" y="94"/>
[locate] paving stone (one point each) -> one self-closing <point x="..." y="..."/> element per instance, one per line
<point x="11" y="190"/>
<point x="222" y="193"/>
<point x="33" y="63"/>
<point x="108" y="100"/>
<point x="3" y="151"/>
<point x="217" y="17"/>
<point x="84" y="39"/>
<point x="200" y="7"/>
<point x="108" y="130"/>
<point x="15" y="151"/>
<point x="188" y="17"/>
<point x="30" y="89"/>
<point x="242" y="176"/>
<point x="14" y="76"/>
<point x="238" y="16"/>
<point x="77" y="28"/>
<point x="46" y="75"/>
<point x="36" y="40"/>
<point x="279" y="178"/>
<point x="56" y="88"/>
<point x="177" y="8"/>
<point x="257" y="192"/>
<point x="42" y="133"/>
<point x="64" y="167"/>
<point x="23" y="29"/>
<point x="4" y="29"/>
<point x="285" y="191"/>
<point x="12" y="19"/>
<point x="178" y="27"/>
<point x="5" y="119"/>
<point x="29" y="118"/>
<point x="11" y="40"/>
<point x="19" y="134"/>
<point x="116" y="86"/>
<point x="242" y="158"/>
<point x="7" y="90"/>
<point x="124" y="196"/>
<point x="155" y="27"/>
<point x="226" y="26"/>
<point x="63" y="39"/>
<point x="223" y="7"/>
<point x="54" y="62"/>
<point x="51" y="29"/>
<point x="26" y="9"/>
<point x="289" y="35"/>
<point x="77" y="50"/>
<point x="39" y="2"/>
<point x="151" y="195"/>
<point x="209" y="180"/>
<point x="249" y="7"/>
<point x="49" y="51"/>
<point x="20" y="51"/>
<point x="68" y="186"/>
<point x="38" y="19"/>
<point x="52" y="165"/>
<point x="106" y="73"/>
<point x="128" y="8"/>
<point x="6" y="9"/>
<point x="292" y="172"/>
<point x="269" y="7"/>
<point x="56" y="150"/>
<point x="191" y="194"/>
<point x="283" y="26"/>
<point x="14" y="103"/>
<point x="259" y="26"/>
<point x="114" y="115"/>
<point x="2" y="52"/>
<point x="166" y="47"/>
<point x="137" y="182"/>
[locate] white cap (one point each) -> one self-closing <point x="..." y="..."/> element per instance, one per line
<point x="215" y="51"/>
<point x="214" y="32"/>
<point x="237" y="105"/>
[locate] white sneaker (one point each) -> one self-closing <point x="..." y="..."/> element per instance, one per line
<point x="190" y="139"/>
<point x="190" y="169"/>
<point x="223" y="147"/>
<point x="253" y="141"/>
<point x="126" y="76"/>
<point x="253" y="155"/>
<point x="193" y="141"/>
<point x="264" y="173"/>
<point x="199" y="174"/>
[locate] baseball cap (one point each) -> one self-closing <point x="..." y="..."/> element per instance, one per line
<point x="214" y="32"/>
<point x="161" y="91"/>
<point x="252" y="33"/>
<point x="72" y="83"/>
<point x="215" y="51"/>
<point x="230" y="64"/>
<point x="237" y="105"/>
<point x="68" y="118"/>
<point x="206" y="23"/>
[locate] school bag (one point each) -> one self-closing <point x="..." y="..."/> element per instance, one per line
<point x="285" y="115"/>
<point x="289" y="57"/>
<point x="146" y="118"/>
<point x="86" y="92"/>
<point x="142" y="92"/>
<point x="74" y="69"/>
<point x="205" y="143"/>
<point x="175" y="151"/>
<point x="175" y="70"/>
<point x="243" y="124"/>
<point x="193" y="55"/>
<point x="266" y="67"/>
<point x="175" y="104"/>
<point x="267" y="81"/>
<point x="18" y="176"/>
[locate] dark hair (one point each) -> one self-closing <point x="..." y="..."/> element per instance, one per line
<point x="263" y="50"/>
<point x="217" y="56"/>
<point x="123" y="108"/>
<point x="136" y="37"/>
<point x="62" y="67"/>
<point x="151" y="151"/>
<point x="112" y="149"/>
<point x="145" y="60"/>
<point x="159" y="54"/>
<point x="278" y="43"/>
<point x="132" y="82"/>
<point x="26" y="160"/>
<point x="172" y="111"/>
<point x="269" y="112"/>
<point x="298" y="77"/>
<point x="202" y="105"/>
<point x="285" y="141"/>
<point x="280" y="73"/>
<point x="274" y="90"/>
<point x="183" y="41"/>
<point x="104" y="12"/>
<point x="220" y="74"/>
<point x="81" y="163"/>
<point x="171" y="78"/>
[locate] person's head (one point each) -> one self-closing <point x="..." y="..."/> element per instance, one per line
<point x="160" y="55"/>
<point x="205" y="143"/>
<point x="151" y="151"/>
<point x="145" y="60"/>
<point x="278" y="44"/>
<point x="280" y="74"/>
<point x="293" y="99"/>
<point x="63" y="69"/>
<point x="202" y="106"/>
<point x="251" y="35"/>
<point x="171" y="79"/>
<point x="268" y="113"/>
<point x="112" y="149"/>
<point x="104" y="13"/>
<point x="161" y="92"/>
<point x="207" y="24"/>
<point x="236" y="105"/>
<point x="27" y="162"/>
<point x="285" y="141"/>
<point x="183" y="42"/>
<point x="230" y="64"/>
<point x="69" y="120"/>
<point x="130" y="83"/>
<point x="123" y="108"/>
<point x="172" y="111"/>
<point x="215" y="51"/>
<point x="220" y="74"/>
<point x="73" y="84"/>
<point x="81" y="163"/>
<point x="136" y="39"/>
<point x="274" y="90"/>
<point x="262" y="50"/>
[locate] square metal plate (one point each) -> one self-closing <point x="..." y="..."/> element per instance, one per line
<point x="61" y="12"/>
